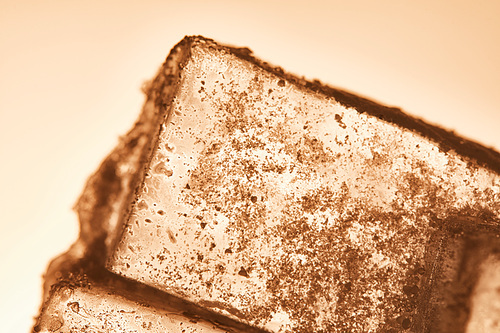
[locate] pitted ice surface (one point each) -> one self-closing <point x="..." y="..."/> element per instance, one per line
<point x="284" y="209"/>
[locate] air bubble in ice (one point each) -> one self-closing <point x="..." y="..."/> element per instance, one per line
<point x="161" y="168"/>
<point x="169" y="147"/>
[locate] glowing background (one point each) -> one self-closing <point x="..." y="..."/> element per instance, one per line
<point x="71" y="71"/>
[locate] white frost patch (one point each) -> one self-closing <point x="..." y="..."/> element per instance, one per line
<point x="355" y="232"/>
<point x="380" y="260"/>
<point x="280" y="322"/>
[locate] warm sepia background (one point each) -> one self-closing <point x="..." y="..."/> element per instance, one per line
<point x="71" y="71"/>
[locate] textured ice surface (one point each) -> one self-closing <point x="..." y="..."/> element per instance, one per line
<point x="243" y="195"/>
<point x="282" y="208"/>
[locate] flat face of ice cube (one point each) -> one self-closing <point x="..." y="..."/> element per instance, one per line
<point x="485" y="300"/>
<point x="286" y="210"/>
<point x="95" y="309"/>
